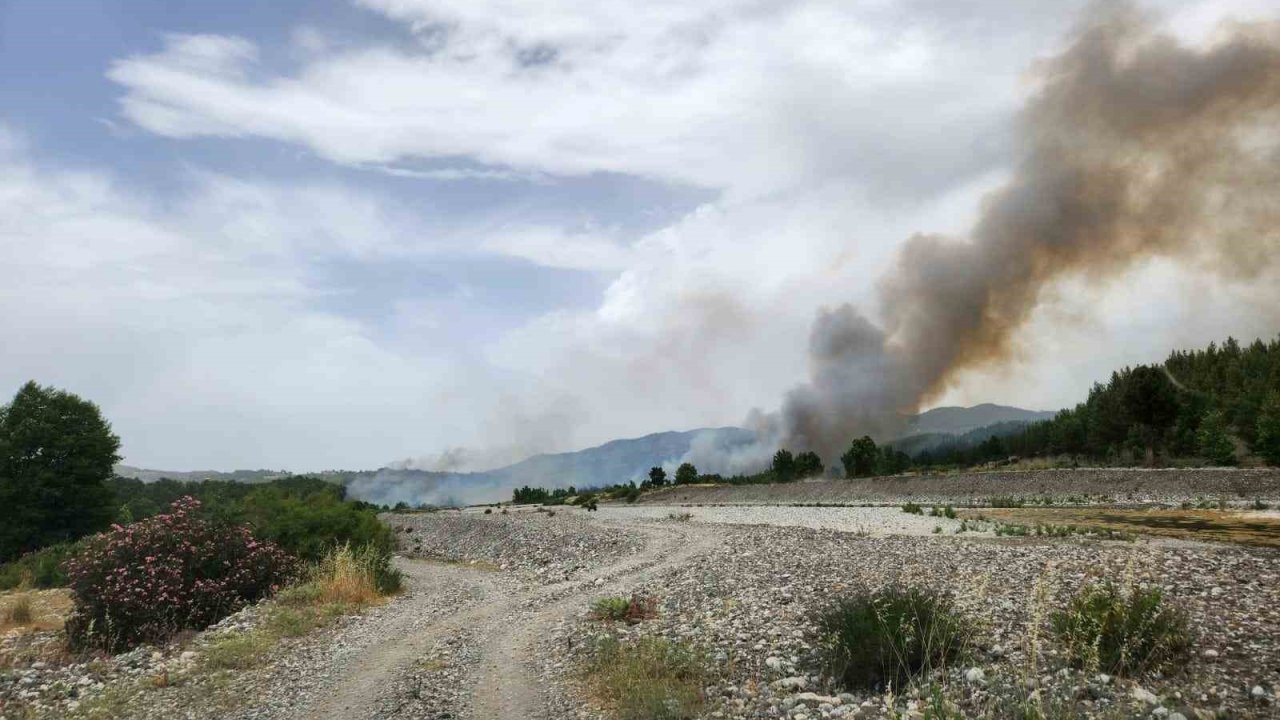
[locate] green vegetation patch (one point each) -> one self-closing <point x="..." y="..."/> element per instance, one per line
<point x="648" y="679"/>
<point x="887" y="638"/>
<point x="1121" y="631"/>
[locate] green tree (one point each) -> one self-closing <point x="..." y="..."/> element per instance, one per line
<point x="657" y="477"/>
<point x="686" y="474"/>
<point x="1215" y="444"/>
<point x="56" y="453"/>
<point x="1268" y="445"/>
<point x="784" y="466"/>
<point x="860" y="459"/>
<point x="808" y="465"/>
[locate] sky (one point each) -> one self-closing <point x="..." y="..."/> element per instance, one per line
<point x="319" y="235"/>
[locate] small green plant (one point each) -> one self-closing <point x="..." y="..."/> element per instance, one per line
<point x="912" y="509"/>
<point x="949" y="512"/>
<point x="885" y="639"/>
<point x="632" y="610"/>
<point x="1006" y="501"/>
<point x="1259" y="505"/>
<point x="937" y="529"/>
<point x="648" y="679"/>
<point x="1121" y="631"/>
<point x="680" y="517"/>
<point x="237" y="652"/>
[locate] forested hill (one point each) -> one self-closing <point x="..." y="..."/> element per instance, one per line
<point x="1220" y="405"/>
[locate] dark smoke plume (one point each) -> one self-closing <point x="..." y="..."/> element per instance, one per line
<point x="1133" y="146"/>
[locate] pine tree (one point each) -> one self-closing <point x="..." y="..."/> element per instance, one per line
<point x="1215" y="444"/>
<point x="1268" y="445"/>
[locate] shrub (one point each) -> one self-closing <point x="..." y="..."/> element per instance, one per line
<point x="311" y="525"/>
<point x="355" y="576"/>
<point x="171" y="572"/>
<point x="633" y="609"/>
<point x="1121" y="632"/>
<point x="887" y="638"/>
<point x="649" y="679"/>
<point x="39" y="569"/>
<point x="1006" y="501"/>
<point x="949" y="512"/>
<point x="912" y="508"/>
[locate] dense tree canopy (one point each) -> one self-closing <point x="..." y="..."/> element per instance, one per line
<point x="56" y="453"/>
<point x="1155" y="413"/>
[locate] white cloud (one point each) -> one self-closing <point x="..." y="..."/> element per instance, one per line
<point x="830" y="131"/>
<point x="751" y="97"/>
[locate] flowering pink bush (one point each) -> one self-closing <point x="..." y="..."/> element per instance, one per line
<point x="176" y="571"/>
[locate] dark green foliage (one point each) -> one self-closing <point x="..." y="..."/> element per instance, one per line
<point x="860" y="459"/>
<point x="1268" y="445"/>
<point x="686" y="474"/>
<point x="784" y="466"/>
<point x="309" y="525"/>
<point x="657" y="477"/>
<point x="1212" y="440"/>
<point x="1150" y="414"/>
<point x="56" y="452"/>
<point x="39" y="569"/>
<point x="911" y="508"/>
<point x="874" y="641"/>
<point x="542" y="496"/>
<point x="1105" y="629"/>
<point x="808" y="465"/>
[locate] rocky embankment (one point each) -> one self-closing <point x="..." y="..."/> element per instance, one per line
<point x="1107" y="485"/>
<point x="546" y="546"/>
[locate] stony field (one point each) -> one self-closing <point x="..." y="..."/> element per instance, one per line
<point x="496" y="622"/>
<point x="1100" y="485"/>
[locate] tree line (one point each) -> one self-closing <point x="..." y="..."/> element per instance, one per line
<point x="1214" y="406"/>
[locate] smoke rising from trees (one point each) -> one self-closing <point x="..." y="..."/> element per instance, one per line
<point x="1133" y="146"/>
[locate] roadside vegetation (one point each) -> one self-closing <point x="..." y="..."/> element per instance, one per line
<point x="648" y="679"/>
<point x="1121" y="631"/>
<point x="886" y="639"/>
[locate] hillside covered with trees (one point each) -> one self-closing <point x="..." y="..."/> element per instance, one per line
<point x="1217" y="406"/>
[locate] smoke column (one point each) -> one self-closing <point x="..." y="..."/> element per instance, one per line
<point x="1133" y="146"/>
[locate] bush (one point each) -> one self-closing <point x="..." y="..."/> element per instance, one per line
<point x="887" y="638"/>
<point x="912" y="508"/>
<point x="39" y="569"/>
<point x="649" y="679"/>
<point x="311" y="525"/>
<point x="633" y="610"/>
<point x="172" y="572"/>
<point x="1121" y="632"/>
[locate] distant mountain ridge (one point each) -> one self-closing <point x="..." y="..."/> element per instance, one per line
<point x="612" y="462"/>
<point x="954" y="420"/>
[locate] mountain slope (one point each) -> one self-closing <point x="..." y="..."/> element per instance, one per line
<point x="953" y="420"/>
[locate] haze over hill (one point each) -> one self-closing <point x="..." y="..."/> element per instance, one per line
<point x="622" y="460"/>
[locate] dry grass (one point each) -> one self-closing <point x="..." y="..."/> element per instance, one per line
<point x="1215" y="525"/>
<point x="34" y="610"/>
<point x="344" y="577"/>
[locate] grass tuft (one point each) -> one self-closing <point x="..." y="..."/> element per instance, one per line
<point x="885" y="639"/>
<point x="648" y="679"/>
<point x="18" y="610"/>
<point x="1121" y="631"/>
<point x="912" y="508"/>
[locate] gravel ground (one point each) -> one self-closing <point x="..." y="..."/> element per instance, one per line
<point x="544" y="547"/>
<point x="860" y="520"/>
<point x="750" y="605"/>
<point x="1096" y="485"/>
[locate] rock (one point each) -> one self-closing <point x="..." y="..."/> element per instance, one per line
<point x="1141" y="694"/>
<point x="814" y="699"/>
<point x="1210" y="653"/>
<point x="975" y="676"/>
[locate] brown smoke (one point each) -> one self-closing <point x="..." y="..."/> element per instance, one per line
<point x="1134" y="146"/>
